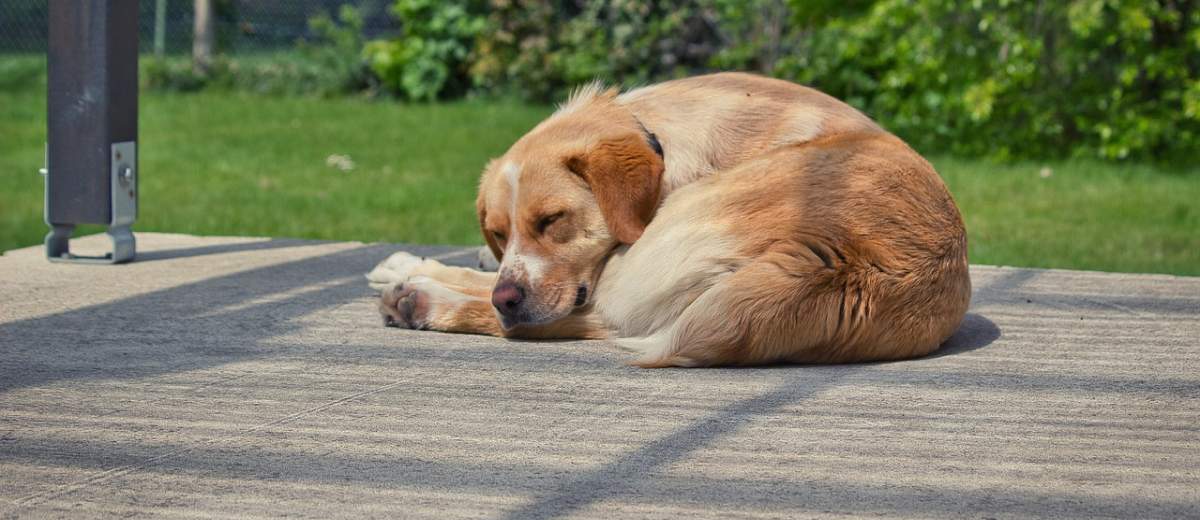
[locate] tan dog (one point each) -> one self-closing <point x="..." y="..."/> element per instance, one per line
<point x="727" y="219"/>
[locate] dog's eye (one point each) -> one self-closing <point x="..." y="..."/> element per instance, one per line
<point x="499" y="236"/>
<point x="547" y="220"/>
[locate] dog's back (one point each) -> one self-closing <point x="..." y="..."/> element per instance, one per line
<point x="715" y="122"/>
<point x="843" y="249"/>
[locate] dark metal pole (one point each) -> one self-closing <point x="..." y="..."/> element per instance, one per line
<point x="91" y="149"/>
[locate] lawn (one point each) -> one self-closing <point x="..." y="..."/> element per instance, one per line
<point x="216" y="163"/>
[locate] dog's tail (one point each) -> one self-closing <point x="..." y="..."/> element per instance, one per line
<point x="785" y="308"/>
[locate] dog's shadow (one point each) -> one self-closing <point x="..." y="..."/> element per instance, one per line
<point x="975" y="332"/>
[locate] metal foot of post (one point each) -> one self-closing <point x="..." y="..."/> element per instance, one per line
<point x="58" y="246"/>
<point x="58" y="242"/>
<point x="123" y="244"/>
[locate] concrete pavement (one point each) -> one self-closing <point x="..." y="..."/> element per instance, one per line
<point x="221" y="377"/>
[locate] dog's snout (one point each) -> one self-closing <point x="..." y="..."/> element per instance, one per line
<point x="507" y="298"/>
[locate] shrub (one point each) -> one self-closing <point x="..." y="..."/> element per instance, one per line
<point x="430" y="58"/>
<point x="174" y="74"/>
<point x="335" y="53"/>
<point x="539" y="49"/>
<point x="1108" y="78"/>
<point x="330" y="63"/>
<point x="1006" y="78"/>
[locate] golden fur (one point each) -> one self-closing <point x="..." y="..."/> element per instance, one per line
<point x="778" y="225"/>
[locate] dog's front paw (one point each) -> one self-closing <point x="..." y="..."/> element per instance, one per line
<point x="406" y="305"/>
<point x="393" y="270"/>
<point x="487" y="260"/>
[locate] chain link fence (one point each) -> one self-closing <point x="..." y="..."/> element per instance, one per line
<point x="242" y="26"/>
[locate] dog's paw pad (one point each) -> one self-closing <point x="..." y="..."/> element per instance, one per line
<point x="405" y="306"/>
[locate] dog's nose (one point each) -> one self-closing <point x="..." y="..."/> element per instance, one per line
<point x="507" y="298"/>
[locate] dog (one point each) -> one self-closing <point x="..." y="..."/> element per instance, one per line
<point x="726" y="219"/>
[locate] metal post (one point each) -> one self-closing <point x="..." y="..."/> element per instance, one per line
<point x="160" y="28"/>
<point x="203" y="36"/>
<point x="91" y="149"/>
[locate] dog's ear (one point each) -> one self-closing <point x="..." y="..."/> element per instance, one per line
<point x="481" y="210"/>
<point x="625" y="176"/>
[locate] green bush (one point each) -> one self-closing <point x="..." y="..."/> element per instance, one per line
<point x="330" y="63"/>
<point x="167" y="73"/>
<point x="430" y="59"/>
<point x="1005" y="78"/>
<point x="335" y="54"/>
<point x="1114" y="79"/>
<point x="539" y="49"/>
<point x="1107" y="78"/>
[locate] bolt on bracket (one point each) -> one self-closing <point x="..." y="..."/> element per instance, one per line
<point x="123" y="192"/>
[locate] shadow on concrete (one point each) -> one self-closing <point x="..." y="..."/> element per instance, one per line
<point x="217" y="249"/>
<point x="976" y="330"/>
<point x="974" y="333"/>
<point x="629" y="471"/>
<point x="211" y="322"/>
<point x="1004" y="291"/>
<point x="640" y="478"/>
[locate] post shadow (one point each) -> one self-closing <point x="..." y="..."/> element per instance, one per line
<point x="170" y="330"/>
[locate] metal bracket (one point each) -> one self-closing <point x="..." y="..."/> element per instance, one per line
<point x="123" y="188"/>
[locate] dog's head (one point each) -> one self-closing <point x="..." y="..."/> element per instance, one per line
<point x="560" y="200"/>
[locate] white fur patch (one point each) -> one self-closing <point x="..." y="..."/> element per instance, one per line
<point x="517" y="264"/>
<point x="533" y="267"/>
<point x="512" y="173"/>
<point x="404" y="265"/>
<point x="683" y="252"/>
<point x="438" y="293"/>
<point x="393" y="270"/>
<point x="580" y="97"/>
<point x="802" y="125"/>
<point x="636" y="94"/>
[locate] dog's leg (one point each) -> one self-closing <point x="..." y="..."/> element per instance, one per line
<point x="423" y="303"/>
<point x="402" y="266"/>
<point x="773" y="309"/>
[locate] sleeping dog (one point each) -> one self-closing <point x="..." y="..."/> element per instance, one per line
<point x="727" y="219"/>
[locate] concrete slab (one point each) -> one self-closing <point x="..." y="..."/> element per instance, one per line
<point x="224" y="377"/>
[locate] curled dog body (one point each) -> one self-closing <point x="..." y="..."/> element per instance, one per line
<point x="727" y="219"/>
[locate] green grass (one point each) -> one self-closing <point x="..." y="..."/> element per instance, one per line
<point x="1084" y="215"/>
<point x="241" y="164"/>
